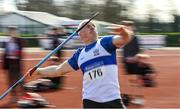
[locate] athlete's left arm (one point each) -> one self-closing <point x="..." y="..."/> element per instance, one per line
<point x="123" y="36"/>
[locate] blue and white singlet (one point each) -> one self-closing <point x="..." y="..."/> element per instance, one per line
<point x="100" y="71"/>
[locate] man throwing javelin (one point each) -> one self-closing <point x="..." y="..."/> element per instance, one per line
<point x="97" y="61"/>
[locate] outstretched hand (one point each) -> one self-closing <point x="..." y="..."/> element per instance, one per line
<point x="120" y="29"/>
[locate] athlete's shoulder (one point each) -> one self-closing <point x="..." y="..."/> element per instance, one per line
<point x="79" y="50"/>
<point x="73" y="61"/>
<point x="77" y="53"/>
<point x="107" y="43"/>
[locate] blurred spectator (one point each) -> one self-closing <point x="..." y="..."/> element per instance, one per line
<point x="130" y="63"/>
<point x="12" y="62"/>
<point x="130" y="51"/>
<point x="55" y="34"/>
<point x="134" y="61"/>
<point x="140" y="72"/>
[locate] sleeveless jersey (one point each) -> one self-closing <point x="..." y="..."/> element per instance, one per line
<point x="100" y="71"/>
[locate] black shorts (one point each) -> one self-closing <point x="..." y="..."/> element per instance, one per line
<point x="111" y="104"/>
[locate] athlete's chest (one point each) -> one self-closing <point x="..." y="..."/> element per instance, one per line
<point x="94" y="54"/>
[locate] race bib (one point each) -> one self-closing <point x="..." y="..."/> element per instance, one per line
<point x="95" y="73"/>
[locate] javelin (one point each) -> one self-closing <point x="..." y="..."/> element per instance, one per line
<point x="46" y="57"/>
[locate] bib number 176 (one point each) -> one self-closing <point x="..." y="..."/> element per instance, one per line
<point x="95" y="73"/>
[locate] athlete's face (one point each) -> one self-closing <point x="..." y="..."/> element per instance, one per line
<point x="89" y="33"/>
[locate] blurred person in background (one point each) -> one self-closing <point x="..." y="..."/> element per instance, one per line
<point x="133" y="56"/>
<point x="130" y="51"/>
<point x="55" y="34"/>
<point x="97" y="61"/>
<point x="12" y="61"/>
<point x="130" y="64"/>
<point x="139" y="72"/>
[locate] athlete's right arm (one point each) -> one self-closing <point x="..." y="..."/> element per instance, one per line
<point x="55" y="70"/>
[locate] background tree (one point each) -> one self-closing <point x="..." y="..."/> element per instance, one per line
<point x="77" y="8"/>
<point x="38" y="5"/>
<point x="112" y="11"/>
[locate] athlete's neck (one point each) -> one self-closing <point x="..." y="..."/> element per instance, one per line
<point x="90" y="42"/>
